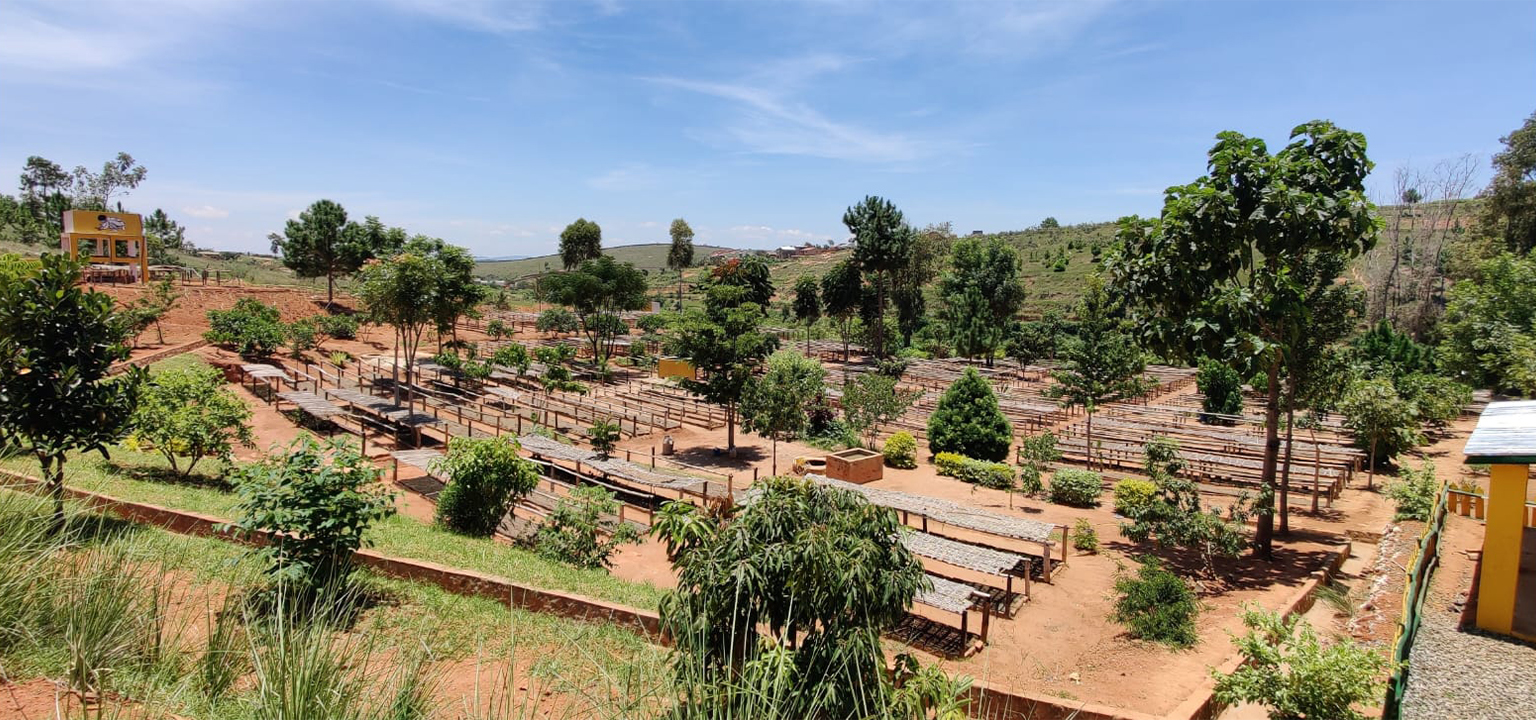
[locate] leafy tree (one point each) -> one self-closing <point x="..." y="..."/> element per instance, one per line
<point x="513" y="355"/>
<point x="557" y="320"/>
<point x="575" y="531"/>
<point x="1437" y="400"/>
<point x="842" y="291"/>
<point x="725" y="343"/>
<point x="603" y="435"/>
<point x="1174" y="517"/>
<point x="94" y="191"/>
<point x="1225" y="271"/>
<point x="1157" y="605"/>
<point x="930" y="247"/>
<point x="1102" y="363"/>
<point x="680" y="255"/>
<point x="45" y="188"/>
<point x="427" y="283"/>
<point x="1221" y="390"/>
<point x="162" y="299"/>
<point x="579" y="242"/>
<point x="162" y="234"/>
<point x="775" y="404"/>
<point x="751" y="274"/>
<point x="557" y="377"/>
<point x="982" y="291"/>
<point x="967" y="421"/>
<point x="1290" y="670"/>
<point x="882" y="245"/>
<point x="1489" y="330"/>
<point x="598" y="291"/>
<point x="1380" y="420"/>
<point x="1031" y="341"/>
<point x="320" y="243"/>
<point x="1049" y="223"/>
<point x="799" y="560"/>
<point x="807" y="305"/>
<point x="58" y="343"/>
<point x="1509" y="205"/>
<point x="317" y="501"/>
<point x="871" y="400"/>
<point x="188" y="414"/>
<point x="486" y="478"/>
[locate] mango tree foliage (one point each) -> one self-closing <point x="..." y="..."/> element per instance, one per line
<point x="798" y="560"/>
<point x="1225" y="271"/>
<point x="58" y="342"/>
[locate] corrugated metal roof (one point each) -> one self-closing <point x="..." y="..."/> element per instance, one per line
<point x="1505" y="433"/>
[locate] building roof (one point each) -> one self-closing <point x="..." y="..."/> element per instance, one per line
<point x="1505" y="433"/>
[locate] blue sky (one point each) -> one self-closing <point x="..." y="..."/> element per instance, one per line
<point x="493" y="124"/>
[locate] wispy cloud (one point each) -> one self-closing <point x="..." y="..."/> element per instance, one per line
<point x="769" y="121"/>
<point x="630" y="176"/>
<point x="502" y="17"/>
<point x="206" y="212"/>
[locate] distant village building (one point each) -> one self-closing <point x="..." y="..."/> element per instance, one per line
<point x="977" y="233"/>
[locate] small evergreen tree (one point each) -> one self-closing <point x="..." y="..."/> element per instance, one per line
<point x="1381" y="420"/>
<point x="603" y="435"/>
<point x="1102" y="363"/>
<point x="968" y="421"/>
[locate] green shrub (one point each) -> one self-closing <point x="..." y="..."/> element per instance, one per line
<point x="1415" y="492"/>
<point x="604" y="436"/>
<point x="575" y="530"/>
<point x="998" y="476"/>
<point x="187" y="413"/>
<point x="1036" y="453"/>
<point x="1222" y="388"/>
<point x="967" y="421"/>
<point x="251" y="327"/>
<point x="341" y="327"/>
<point x="901" y="451"/>
<point x="1156" y="605"/>
<point x="1133" y="495"/>
<point x="301" y="335"/>
<point x="1084" y="537"/>
<point x="1295" y="675"/>
<point x="1078" y="488"/>
<point x="485" y="479"/>
<point x="949" y="463"/>
<point x="322" y="498"/>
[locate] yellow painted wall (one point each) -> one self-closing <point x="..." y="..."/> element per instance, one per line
<point x="675" y="367"/>
<point x="91" y="222"/>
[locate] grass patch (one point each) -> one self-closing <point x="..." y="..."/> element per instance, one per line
<point x="137" y="476"/>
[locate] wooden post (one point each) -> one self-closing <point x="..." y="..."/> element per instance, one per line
<point x="653" y="457"/>
<point x="986" y="621"/>
<point x="1045" y="569"/>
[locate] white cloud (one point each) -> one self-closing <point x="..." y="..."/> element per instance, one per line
<point x="501" y="17"/>
<point x="206" y="211"/>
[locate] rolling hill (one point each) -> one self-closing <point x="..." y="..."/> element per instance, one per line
<point x="648" y="256"/>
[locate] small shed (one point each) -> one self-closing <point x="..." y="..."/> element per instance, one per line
<point x="1505" y="440"/>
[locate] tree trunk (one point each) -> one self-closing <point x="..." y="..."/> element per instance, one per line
<point x="775" y="454"/>
<point x="1263" y="536"/>
<point x="1370" y="478"/>
<point x="1089" y="436"/>
<point x="1285" y="473"/>
<point x="330" y="290"/>
<point x="730" y="427"/>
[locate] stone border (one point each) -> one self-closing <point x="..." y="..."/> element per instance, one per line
<point x="157" y="356"/>
<point x="987" y="701"/>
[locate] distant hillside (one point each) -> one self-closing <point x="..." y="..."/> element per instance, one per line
<point x="648" y="256"/>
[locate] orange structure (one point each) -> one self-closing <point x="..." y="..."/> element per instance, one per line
<point x="112" y="242"/>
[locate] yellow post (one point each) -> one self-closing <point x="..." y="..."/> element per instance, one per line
<point x="1501" y="548"/>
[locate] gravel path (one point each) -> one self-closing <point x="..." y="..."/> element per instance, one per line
<point x="1463" y="676"/>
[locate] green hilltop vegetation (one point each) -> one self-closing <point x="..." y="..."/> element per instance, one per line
<point x="646" y="256"/>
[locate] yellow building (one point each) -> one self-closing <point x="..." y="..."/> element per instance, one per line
<point x="675" y="367"/>
<point x="1505" y="439"/>
<point x="113" y="243"/>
